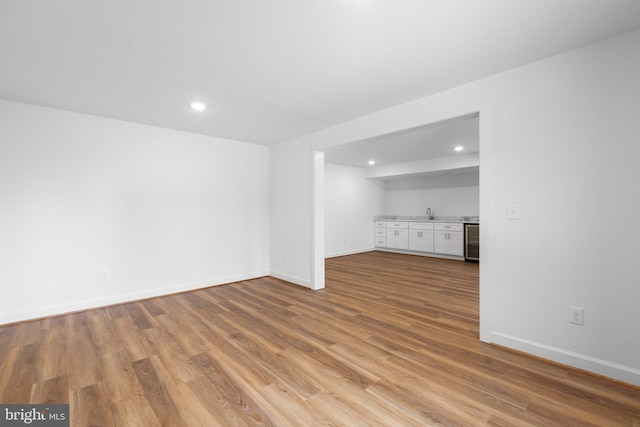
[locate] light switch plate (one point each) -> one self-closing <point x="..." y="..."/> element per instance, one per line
<point x="513" y="211"/>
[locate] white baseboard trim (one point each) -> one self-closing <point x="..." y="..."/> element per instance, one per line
<point x="295" y="280"/>
<point x="592" y="364"/>
<point x="59" y="309"/>
<point x="352" y="252"/>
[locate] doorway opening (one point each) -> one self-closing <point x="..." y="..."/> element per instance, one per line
<point x="405" y="166"/>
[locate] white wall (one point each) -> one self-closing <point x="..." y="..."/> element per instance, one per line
<point x="559" y="138"/>
<point x="290" y="212"/>
<point x="351" y="202"/>
<point x="446" y="195"/>
<point x="164" y="210"/>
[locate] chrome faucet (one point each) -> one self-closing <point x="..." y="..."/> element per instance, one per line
<point x="429" y="213"/>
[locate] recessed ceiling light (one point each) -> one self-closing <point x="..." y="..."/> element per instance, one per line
<point x="198" y="106"/>
<point x="459" y="148"/>
<point x="372" y="162"/>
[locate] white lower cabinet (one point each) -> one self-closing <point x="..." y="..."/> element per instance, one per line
<point x="421" y="241"/>
<point x="421" y="237"/>
<point x="397" y="234"/>
<point x="448" y="239"/>
<point x="381" y="234"/>
<point x="398" y="239"/>
<point x="445" y="238"/>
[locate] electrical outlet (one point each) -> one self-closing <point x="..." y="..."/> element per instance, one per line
<point x="106" y="274"/>
<point x="284" y="257"/>
<point x="576" y="315"/>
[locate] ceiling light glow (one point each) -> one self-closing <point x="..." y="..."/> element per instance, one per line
<point x="459" y="148"/>
<point x="372" y="162"/>
<point x="198" y="106"/>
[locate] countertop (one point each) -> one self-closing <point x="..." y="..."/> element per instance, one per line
<point x="464" y="219"/>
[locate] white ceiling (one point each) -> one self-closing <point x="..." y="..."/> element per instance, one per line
<point x="427" y="142"/>
<point x="273" y="70"/>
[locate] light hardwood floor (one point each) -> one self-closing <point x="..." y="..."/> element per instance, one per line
<point x="391" y="341"/>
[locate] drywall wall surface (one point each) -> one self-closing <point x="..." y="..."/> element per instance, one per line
<point x="290" y="212"/>
<point x="558" y="138"/>
<point x="445" y="195"/>
<point x="564" y="148"/>
<point x="161" y="210"/>
<point x="351" y="202"/>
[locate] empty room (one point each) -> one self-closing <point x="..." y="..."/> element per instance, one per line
<point x="330" y="213"/>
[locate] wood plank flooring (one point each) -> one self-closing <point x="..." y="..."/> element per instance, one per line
<point x="391" y="341"/>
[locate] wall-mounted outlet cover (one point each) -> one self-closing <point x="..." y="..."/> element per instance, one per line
<point x="576" y="315"/>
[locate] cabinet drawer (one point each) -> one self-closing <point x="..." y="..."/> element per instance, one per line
<point x="421" y="226"/>
<point x="381" y="224"/>
<point x="381" y="241"/>
<point x="401" y="224"/>
<point x="448" y="226"/>
<point x="381" y="232"/>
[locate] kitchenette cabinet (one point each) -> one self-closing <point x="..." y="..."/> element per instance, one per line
<point x="398" y="235"/>
<point x="426" y="237"/>
<point x="381" y="234"/>
<point x="421" y="236"/>
<point x="448" y="239"/>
